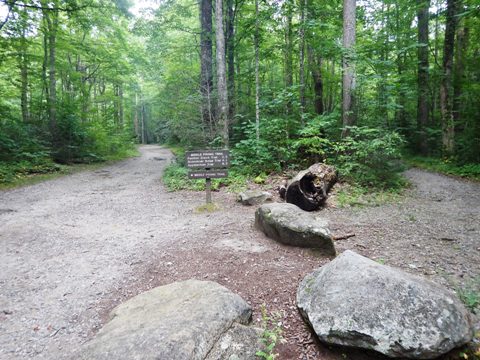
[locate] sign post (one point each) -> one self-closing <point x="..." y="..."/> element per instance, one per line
<point x="208" y="165"/>
<point x="208" y="190"/>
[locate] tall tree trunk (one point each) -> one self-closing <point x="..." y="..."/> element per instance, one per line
<point x="206" y="74"/>
<point x="230" y="24"/>
<point x="423" y="75"/>
<point x="120" y="105"/>
<point x="400" y="115"/>
<point x="382" y="99"/>
<point x="116" y="110"/>
<point x="23" y="63"/>
<point x="332" y="89"/>
<point x="45" y="62"/>
<point x="257" y="75"/>
<point x="459" y="73"/>
<point x="348" y="77"/>
<point x="315" y="63"/>
<point x="448" y="125"/>
<point x="51" y="17"/>
<point x="221" y="73"/>
<point x="435" y="90"/>
<point x="143" y="115"/>
<point x="301" y="35"/>
<point x="135" y="116"/>
<point x="288" y="53"/>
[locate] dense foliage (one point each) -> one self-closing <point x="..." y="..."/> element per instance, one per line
<point x="301" y="121"/>
<point x="67" y="85"/>
<point x="83" y="80"/>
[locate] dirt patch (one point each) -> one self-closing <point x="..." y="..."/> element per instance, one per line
<point x="79" y="245"/>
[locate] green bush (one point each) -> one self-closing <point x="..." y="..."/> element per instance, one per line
<point x="10" y="172"/>
<point x="316" y="141"/>
<point x="175" y="178"/>
<point x="270" y="153"/>
<point x="446" y="166"/>
<point x="370" y="157"/>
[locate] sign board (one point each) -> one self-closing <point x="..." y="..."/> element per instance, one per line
<point x="208" y="159"/>
<point x="207" y="174"/>
<point x="208" y="165"/>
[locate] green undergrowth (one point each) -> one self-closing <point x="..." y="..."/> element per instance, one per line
<point x="28" y="172"/>
<point x="175" y="178"/>
<point x="358" y="196"/>
<point x="271" y="334"/>
<point x="446" y="166"/>
<point x="469" y="293"/>
<point x="207" y="208"/>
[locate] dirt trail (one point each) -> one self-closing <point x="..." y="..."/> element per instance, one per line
<point x="74" y="247"/>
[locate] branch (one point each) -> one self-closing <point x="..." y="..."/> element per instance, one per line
<point x="343" y="237"/>
<point x="9" y="6"/>
<point x="11" y="3"/>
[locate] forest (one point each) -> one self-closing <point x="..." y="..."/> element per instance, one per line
<point x="282" y="84"/>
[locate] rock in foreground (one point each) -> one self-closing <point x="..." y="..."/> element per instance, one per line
<point x="357" y="302"/>
<point x="254" y="197"/>
<point x="185" y="321"/>
<point x="290" y="225"/>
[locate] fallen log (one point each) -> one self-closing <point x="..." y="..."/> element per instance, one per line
<point x="342" y="237"/>
<point x="309" y="188"/>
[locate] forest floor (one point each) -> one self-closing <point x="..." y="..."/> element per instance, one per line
<point x="75" y="247"/>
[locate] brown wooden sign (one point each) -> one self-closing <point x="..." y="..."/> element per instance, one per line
<point x="208" y="159"/>
<point x="207" y="174"/>
<point x="208" y="165"/>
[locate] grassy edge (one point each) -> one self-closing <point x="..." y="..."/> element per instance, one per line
<point x="440" y="166"/>
<point x="175" y="178"/>
<point x="68" y="170"/>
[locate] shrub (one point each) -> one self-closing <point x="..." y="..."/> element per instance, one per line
<point x="270" y="153"/>
<point x="316" y="141"/>
<point x="370" y="157"/>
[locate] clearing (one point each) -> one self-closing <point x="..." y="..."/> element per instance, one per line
<point x="74" y="247"/>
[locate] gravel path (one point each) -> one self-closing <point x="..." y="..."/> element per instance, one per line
<point x="74" y="247"/>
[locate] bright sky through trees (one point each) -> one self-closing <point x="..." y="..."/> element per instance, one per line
<point x="137" y="6"/>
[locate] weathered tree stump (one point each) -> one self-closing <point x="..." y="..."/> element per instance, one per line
<point x="309" y="188"/>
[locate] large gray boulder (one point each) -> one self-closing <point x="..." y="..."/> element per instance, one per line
<point x="290" y="225"/>
<point x="357" y="302"/>
<point x="254" y="197"/>
<point x="186" y="320"/>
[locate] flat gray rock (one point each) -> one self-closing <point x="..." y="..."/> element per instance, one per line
<point x="290" y="225"/>
<point x="357" y="302"/>
<point x="186" y="320"/>
<point x="254" y="197"/>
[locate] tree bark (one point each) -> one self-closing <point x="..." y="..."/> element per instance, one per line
<point x="143" y="115"/>
<point x="23" y="63"/>
<point x="206" y="74"/>
<point x="423" y="75"/>
<point x="221" y="73"/>
<point x="257" y="75"/>
<point x="463" y="32"/>
<point x="230" y="25"/>
<point x="135" y="116"/>
<point x="120" y="105"/>
<point x="288" y="53"/>
<point x="301" y="35"/>
<point x="309" y="188"/>
<point x="348" y="77"/>
<point x="51" y="17"/>
<point x="448" y="125"/>
<point x="400" y="111"/>
<point x="315" y="63"/>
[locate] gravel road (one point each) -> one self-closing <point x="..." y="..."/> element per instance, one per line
<point x="74" y="247"/>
